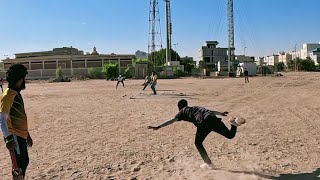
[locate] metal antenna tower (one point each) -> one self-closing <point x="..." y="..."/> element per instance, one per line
<point x="155" y="39"/>
<point x="169" y="31"/>
<point x="230" y="35"/>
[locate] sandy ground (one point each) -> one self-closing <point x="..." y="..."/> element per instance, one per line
<point x="90" y="130"/>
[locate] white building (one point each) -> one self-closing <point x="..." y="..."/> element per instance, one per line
<point x="271" y="60"/>
<point x="307" y="49"/>
<point x="315" y="56"/>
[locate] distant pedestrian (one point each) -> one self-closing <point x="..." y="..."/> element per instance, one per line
<point x="147" y="81"/>
<point x="246" y="75"/>
<point x="154" y="79"/>
<point x="1" y="83"/>
<point x="120" y="80"/>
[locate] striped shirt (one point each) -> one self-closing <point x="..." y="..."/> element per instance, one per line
<point x="13" y="105"/>
<point x="195" y="114"/>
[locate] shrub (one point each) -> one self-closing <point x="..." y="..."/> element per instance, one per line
<point x="59" y="73"/>
<point x="128" y="73"/>
<point x="110" y="69"/>
<point x="178" y="72"/>
<point x="94" y="73"/>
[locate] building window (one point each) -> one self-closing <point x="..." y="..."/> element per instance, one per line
<point x="207" y="59"/>
<point x="212" y="52"/>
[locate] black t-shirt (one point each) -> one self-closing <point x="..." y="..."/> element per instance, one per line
<point x="195" y="114"/>
<point x="246" y="73"/>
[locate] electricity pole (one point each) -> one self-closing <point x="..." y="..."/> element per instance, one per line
<point x="169" y="31"/>
<point x="230" y="35"/>
<point x="295" y="53"/>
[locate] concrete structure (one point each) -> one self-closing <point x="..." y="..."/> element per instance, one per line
<point x="141" y="55"/>
<point x="251" y="66"/>
<point x="271" y="60"/>
<point x="315" y="56"/>
<point x="72" y="61"/>
<point x="308" y="48"/>
<point x="243" y="58"/>
<point x="285" y="58"/>
<point x="211" y="55"/>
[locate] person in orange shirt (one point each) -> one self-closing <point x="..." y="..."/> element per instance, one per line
<point x="13" y="118"/>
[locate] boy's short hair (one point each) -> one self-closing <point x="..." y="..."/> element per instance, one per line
<point x="182" y="103"/>
<point x="15" y="73"/>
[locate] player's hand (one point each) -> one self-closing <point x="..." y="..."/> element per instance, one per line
<point x="225" y="113"/>
<point x="154" y="127"/>
<point x="29" y="141"/>
<point x="10" y="144"/>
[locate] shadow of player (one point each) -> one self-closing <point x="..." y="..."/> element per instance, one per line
<point x="302" y="176"/>
<point x="308" y="176"/>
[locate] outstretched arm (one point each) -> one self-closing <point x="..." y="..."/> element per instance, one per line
<point x="167" y="123"/>
<point x="221" y="113"/>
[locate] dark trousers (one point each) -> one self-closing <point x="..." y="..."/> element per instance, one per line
<point x="120" y="82"/>
<point x="145" y="85"/>
<point x="1" y="88"/>
<point x="246" y="79"/>
<point x="23" y="157"/>
<point x="153" y="87"/>
<point x="212" y="124"/>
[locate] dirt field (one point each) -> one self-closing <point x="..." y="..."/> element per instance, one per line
<point x="90" y="130"/>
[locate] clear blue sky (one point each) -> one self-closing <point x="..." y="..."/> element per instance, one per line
<point x="121" y="26"/>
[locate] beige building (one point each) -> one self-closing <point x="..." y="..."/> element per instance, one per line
<point x="72" y="61"/>
<point x="285" y="58"/>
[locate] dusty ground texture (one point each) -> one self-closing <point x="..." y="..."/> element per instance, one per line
<point x="90" y="130"/>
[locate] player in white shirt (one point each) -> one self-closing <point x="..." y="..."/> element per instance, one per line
<point x="120" y="80"/>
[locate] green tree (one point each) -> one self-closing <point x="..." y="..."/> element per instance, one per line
<point x="188" y="64"/>
<point x="189" y="67"/>
<point x="141" y="61"/>
<point x="59" y="73"/>
<point x="160" y="57"/>
<point x="178" y="72"/>
<point x="110" y="69"/>
<point x="294" y="64"/>
<point x="308" y="65"/>
<point x="94" y="73"/>
<point x="128" y="73"/>
<point x="280" y="66"/>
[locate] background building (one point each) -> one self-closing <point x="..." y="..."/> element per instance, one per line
<point x="210" y="54"/>
<point x="307" y="49"/>
<point x="315" y="56"/>
<point x="285" y="58"/>
<point x="271" y="60"/>
<point x="72" y="62"/>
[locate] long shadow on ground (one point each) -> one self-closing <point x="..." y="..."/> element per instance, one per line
<point x="302" y="176"/>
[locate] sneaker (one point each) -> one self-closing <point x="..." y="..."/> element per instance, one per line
<point x="206" y="166"/>
<point x="237" y="121"/>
